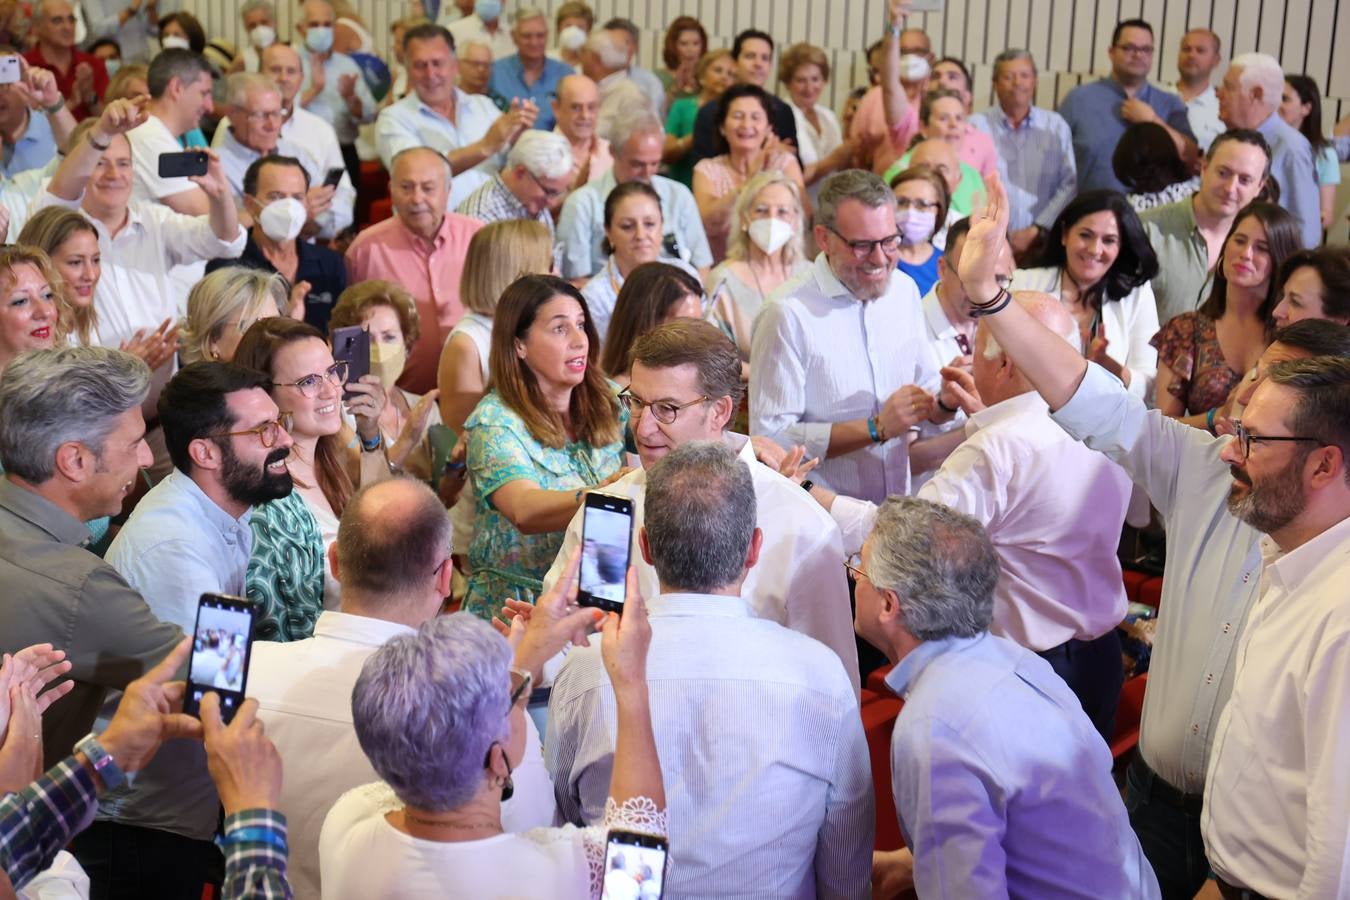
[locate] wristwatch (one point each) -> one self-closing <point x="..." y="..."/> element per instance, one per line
<point x="102" y="761"/>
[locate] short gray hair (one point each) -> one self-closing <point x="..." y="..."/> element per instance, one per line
<point x="851" y="184"/>
<point x="526" y="13"/>
<point x="603" y="45"/>
<point x="626" y="112"/>
<point x="428" y="706"/>
<point x="238" y="86"/>
<point x="940" y="563"/>
<point x="700" y="515"/>
<point x="544" y="154"/>
<point x="251" y="5"/>
<point x="51" y="397"/>
<point x="1260" y="70"/>
<point x="1013" y="54"/>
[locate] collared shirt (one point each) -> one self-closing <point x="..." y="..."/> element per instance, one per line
<point x="1093" y="113"/>
<point x="472" y="28"/>
<point x="1035" y="163"/>
<point x="65" y="80"/>
<point x="798" y="582"/>
<point x="235" y="159"/>
<point x="1002" y="786"/>
<point x="429" y="270"/>
<point x="35" y="148"/>
<point x="1202" y="111"/>
<point x="57" y="592"/>
<point x="581" y="224"/>
<point x="314" y="142"/>
<point x="1183" y="257"/>
<point x="304" y="694"/>
<point x="136" y="37"/>
<point x="1293" y="166"/>
<point x="494" y="202"/>
<point x="38" y="821"/>
<point x="314" y="263"/>
<point x="775" y="709"/>
<point x="1212" y="573"/>
<point x="823" y="356"/>
<point x="508" y="82"/>
<point x="329" y="104"/>
<point x="148" y="140"/>
<point x="411" y="123"/>
<point x="870" y="127"/>
<point x="943" y="346"/>
<point x="1276" y="818"/>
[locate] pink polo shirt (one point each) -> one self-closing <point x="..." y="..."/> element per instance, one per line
<point x="429" y="270"/>
<point x="869" y="125"/>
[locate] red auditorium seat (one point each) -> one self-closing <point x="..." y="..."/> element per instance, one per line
<point x="1133" y="580"/>
<point x="876" y="681"/>
<point x="879" y="712"/>
<point x="1127" y="716"/>
<point x="380" y="210"/>
<point x="1150" y="592"/>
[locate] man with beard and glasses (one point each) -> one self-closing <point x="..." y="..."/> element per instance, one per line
<point x="1275" y="798"/>
<point x="188" y="536"/>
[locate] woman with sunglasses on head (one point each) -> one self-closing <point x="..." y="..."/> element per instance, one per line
<point x="288" y="575"/>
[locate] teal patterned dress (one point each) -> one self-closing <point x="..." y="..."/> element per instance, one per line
<point x="504" y="562"/>
<point x="285" y="573"/>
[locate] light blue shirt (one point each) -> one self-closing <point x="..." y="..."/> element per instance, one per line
<point x="1213" y="568"/>
<point x="1002" y="786"/>
<point x="329" y="105"/>
<point x="766" y="768"/>
<point x="1292" y="165"/>
<point x="1093" y="113"/>
<point x="1035" y="164"/>
<point x="411" y="123"/>
<point x="508" y="82"/>
<point x="34" y="149"/>
<point x="581" y="225"/>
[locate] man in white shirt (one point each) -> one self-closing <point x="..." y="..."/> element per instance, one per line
<point x="767" y="781"/>
<point x="484" y="25"/>
<point x="840" y="366"/>
<point x="313" y="141"/>
<point x="392" y="556"/>
<point x="1197" y="59"/>
<point x="798" y="583"/>
<point x="180" y="94"/>
<point x="467" y="128"/>
<point x="334" y="88"/>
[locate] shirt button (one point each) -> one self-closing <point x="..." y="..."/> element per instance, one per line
<point x="1227" y="627"/>
<point x="1209" y="679"/>
<point x="1246" y="578"/>
<point x="1195" y="729"/>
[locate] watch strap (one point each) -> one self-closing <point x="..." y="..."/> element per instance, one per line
<point x="102" y="761"/>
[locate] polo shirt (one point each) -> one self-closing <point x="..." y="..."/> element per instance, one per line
<point x="1093" y="113"/>
<point x="508" y="82"/>
<point x="65" y="80"/>
<point x="1183" y="257"/>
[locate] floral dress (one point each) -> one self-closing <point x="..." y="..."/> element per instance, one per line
<point x="285" y="572"/>
<point x="1189" y="345"/>
<point x="504" y="562"/>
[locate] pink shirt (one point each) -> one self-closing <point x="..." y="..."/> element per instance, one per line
<point x="977" y="151"/>
<point x="429" y="270"/>
<point x="870" y="128"/>
<point x="601" y="162"/>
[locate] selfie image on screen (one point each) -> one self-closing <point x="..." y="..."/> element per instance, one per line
<point x="633" y="872"/>
<point x="604" y="554"/>
<point x="220" y="649"/>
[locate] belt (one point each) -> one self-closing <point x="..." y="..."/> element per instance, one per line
<point x="1233" y="892"/>
<point x="1157" y="788"/>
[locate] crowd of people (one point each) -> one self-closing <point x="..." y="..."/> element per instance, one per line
<point x="883" y="388"/>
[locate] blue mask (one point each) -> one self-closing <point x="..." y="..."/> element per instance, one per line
<point x="112" y="65"/>
<point x="488" y="10"/>
<point x="320" y="39"/>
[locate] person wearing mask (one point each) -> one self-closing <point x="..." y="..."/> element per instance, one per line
<point x="753" y="52"/>
<point x="484" y="24"/>
<point x="537" y="174"/>
<point x="625" y="32"/>
<point x="921" y="204"/>
<point x="1197" y="58"/>
<point x="716" y="72"/>
<point x="224" y="305"/>
<point x="259" y="18"/>
<point x="81" y="78"/>
<point x="576" y="110"/>
<point x="333" y="87"/>
<point x="572" y="21"/>
<point x="529" y="73"/>
<point x="887" y="116"/>
<point x="1315" y="284"/>
<point x="942" y="119"/>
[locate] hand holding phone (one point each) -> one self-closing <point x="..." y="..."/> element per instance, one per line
<point x="606" y="545"/>
<point x="352" y="346"/>
<point x="221" y="646"/>
<point x="11" y="69"/>
<point x="635" y="866"/>
<point x="183" y="165"/>
<point x="334" y="177"/>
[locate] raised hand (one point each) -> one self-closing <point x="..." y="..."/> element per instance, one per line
<point x="156" y="348"/>
<point x="299" y="291"/>
<point x="625" y="640"/>
<point x="318" y="200"/>
<point x="414" y="430"/>
<point x="214" y="182"/>
<point x="38" y="87"/>
<point x="366" y="405"/>
<point x="150" y="713"/>
<point x="978" y="266"/>
<point x="120" y="116"/>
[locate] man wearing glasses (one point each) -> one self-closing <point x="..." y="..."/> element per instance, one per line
<point x="839" y="360"/>
<point x="1099" y="112"/>
<point x="536" y="177"/>
<point x="253" y="127"/>
<point x="1253" y="603"/>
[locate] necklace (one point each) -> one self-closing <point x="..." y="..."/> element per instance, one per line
<point x="755" y="275"/>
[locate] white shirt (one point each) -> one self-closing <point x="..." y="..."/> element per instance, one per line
<point x="148" y="140"/>
<point x="304" y="694"/>
<point x="822" y="356"/>
<point x="799" y="580"/>
<point x="766" y="769"/>
<point x="1130" y="323"/>
<point x="18" y="193"/>
<point x="942" y="346"/>
<point x="1202" y="111"/>
<point x="314" y="142"/>
<point x="472" y="28"/>
<point x="411" y="123"/>
<point x="1276" y="818"/>
<point x="813" y="145"/>
<point x="329" y="104"/>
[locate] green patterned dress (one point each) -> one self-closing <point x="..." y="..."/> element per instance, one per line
<point x="285" y="573"/>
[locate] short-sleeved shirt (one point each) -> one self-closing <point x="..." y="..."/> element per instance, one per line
<point x="969" y="190"/>
<point x="1093" y="113"/>
<point x="1201" y="377"/>
<point x="65" y="80"/>
<point x="285" y="572"/>
<point x="508" y="83"/>
<point x="1183" y="257"/>
<point x="148" y="140"/>
<point x="505" y="562"/>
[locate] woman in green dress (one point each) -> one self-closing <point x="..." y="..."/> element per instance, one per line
<point x="716" y="72"/>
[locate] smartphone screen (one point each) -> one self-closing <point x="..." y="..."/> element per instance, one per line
<point x="606" y="541"/>
<point x="221" y="646"/>
<point x="635" y="866"/>
<point x="334" y="177"/>
<point x="352" y="345"/>
<point x="180" y="165"/>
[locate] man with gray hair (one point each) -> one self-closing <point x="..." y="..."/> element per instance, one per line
<point x="1249" y="97"/>
<point x="259" y="18"/>
<point x="1053" y="508"/>
<point x="253" y="105"/>
<point x="765" y="764"/>
<point x="1001" y="784"/>
<point x="636" y="142"/>
<point x="537" y="174"/>
<point x="529" y="73"/>
<point x="71" y="441"/>
<point x="392" y="556"/>
<point x="840" y="362"/>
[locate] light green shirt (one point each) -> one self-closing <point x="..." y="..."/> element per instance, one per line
<point x="1183" y="257"/>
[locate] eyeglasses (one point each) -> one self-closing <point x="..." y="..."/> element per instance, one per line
<point x="908" y="203"/>
<point x="854" y="570"/>
<point x="863" y="249"/>
<point x="309" y="385"/>
<point x="520" y="685"/>
<point x="549" y="193"/>
<point x="665" y="412"/>
<point x="266" y="115"/>
<point x="1245" y="438"/>
<point x="267" y="432"/>
<point x="1135" y="49"/>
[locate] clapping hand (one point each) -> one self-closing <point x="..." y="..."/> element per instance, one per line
<point x="155" y="348"/>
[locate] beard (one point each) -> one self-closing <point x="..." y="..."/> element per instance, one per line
<point x="1275" y="502"/>
<point x="254" y="486"/>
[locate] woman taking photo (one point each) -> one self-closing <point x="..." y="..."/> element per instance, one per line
<point x="288" y="575"/>
<point x="1098" y="263"/>
<point x="765" y="250"/>
<point x="921" y="201"/>
<point x="547" y="431"/>
<point x="805" y="70"/>
<point x="1203" y="354"/>
<point x="224" y="305"/>
<point x="655" y="293"/>
<point x="684" y="46"/>
<point x="716" y="72"/>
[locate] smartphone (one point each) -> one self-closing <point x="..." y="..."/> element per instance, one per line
<point x="926" y="6"/>
<point x="221" y="646"/>
<point x="333" y="177"/>
<point x="606" y="541"/>
<point x="352" y="345"/>
<point x="181" y="165"/>
<point x="635" y="865"/>
<point x="10" y="69"/>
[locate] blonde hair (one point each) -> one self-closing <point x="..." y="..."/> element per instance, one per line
<point x="498" y="254"/>
<point x="117" y="85"/>
<point x="12" y="255"/>
<point x="359" y="299"/>
<point x="738" y="245"/>
<point x="47" y="230"/>
<point x="231" y="294"/>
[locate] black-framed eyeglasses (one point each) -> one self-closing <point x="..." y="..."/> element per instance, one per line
<point x="266" y="115"/>
<point x="1245" y="438"/>
<point x="665" y="412"/>
<point x="549" y="193"/>
<point x="336" y="375"/>
<point x="863" y="249"/>
<point x="267" y="432"/>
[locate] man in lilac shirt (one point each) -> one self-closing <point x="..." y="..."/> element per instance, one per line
<point x="422" y="249"/>
<point x="1001" y="784"/>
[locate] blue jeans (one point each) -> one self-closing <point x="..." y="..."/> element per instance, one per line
<point x="1168" y="831"/>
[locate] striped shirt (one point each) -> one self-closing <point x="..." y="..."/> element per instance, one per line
<point x="494" y="202"/>
<point x="1035" y="164"/>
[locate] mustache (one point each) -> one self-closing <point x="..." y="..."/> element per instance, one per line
<point x="1240" y="475"/>
<point x="277" y="456"/>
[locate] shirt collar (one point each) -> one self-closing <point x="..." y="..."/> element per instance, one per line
<point x="1030" y="403"/>
<point x="1290" y="569"/>
<point x="941" y="326"/>
<point x="678" y="604"/>
<point x="1032" y="120"/>
<point x="218" y="517"/>
<point x="231" y="145"/>
<point x="906" y="672"/>
<point x="43" y="513"/>
<point x="830" y="285"/>
<point x="364" y="630"/>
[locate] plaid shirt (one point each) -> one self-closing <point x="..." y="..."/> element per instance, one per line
<point x="494" y="202"/>
<point x="255" y="870"/>
<point x="39" y="820"/>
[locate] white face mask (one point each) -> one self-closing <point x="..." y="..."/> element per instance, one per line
<point x="262" y="37"/>
<point x="319" y="39"/>
<point x="174" y="42"/>
<point x="913" y="68"/>
<point x="571" y="38"/>
<point x="770" y="234"/>
<point x="281" y="220"/>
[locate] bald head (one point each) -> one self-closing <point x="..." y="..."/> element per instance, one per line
<point x="577" y="108"/>
<point x="281" y="63"/>
<point x="941" y="157"/>
<point x="996" y="378"/>
<point x="54" y="23"/>
<point x="392" y="542"/>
